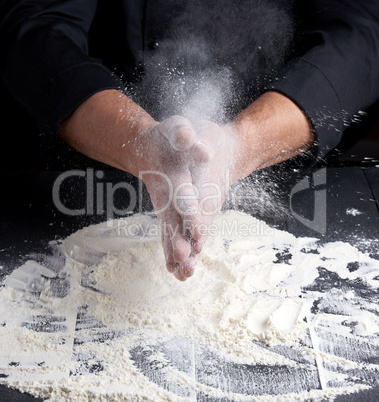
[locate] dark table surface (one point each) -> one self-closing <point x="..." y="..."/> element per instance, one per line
<point x="318" y="202"/>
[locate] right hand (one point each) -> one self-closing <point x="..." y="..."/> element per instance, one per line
<point x="165" y="153"/>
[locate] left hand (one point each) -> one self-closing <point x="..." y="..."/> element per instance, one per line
<point x="212" y="175"/>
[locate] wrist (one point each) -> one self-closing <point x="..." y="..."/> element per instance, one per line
<point x="271" y="130"/>
<point x="136" y="141"/>
<point x="246" y="155"/>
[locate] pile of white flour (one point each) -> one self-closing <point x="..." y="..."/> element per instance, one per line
<point x="267" y="316"/>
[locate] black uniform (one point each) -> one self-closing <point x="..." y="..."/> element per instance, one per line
<point x="55" y="54"/>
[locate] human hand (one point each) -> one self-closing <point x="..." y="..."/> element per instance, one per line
<point x="212" y="176"/>
<point x="168" y="153"/>
<point x="269" y="131"/>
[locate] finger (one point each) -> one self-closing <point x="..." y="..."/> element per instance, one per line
<point x="179" y="132"/>
<point x="178" y="275"/>
<point x="200" y="232"/>
<point x="209" y="204"/>
<point x="195" y="226"/>
<point x="210" y="136"/>
<point x="201" y="153"/>
<point x="171" y="264"/>
<point x="197" y="245"/>
<point x="185" y="203"/>
<point x="180" y="243"/>
<point x="197" y="210"/>
<point x="181" y="248"/>
<point x="185" y="200"/>
<point x="187" y="269"/>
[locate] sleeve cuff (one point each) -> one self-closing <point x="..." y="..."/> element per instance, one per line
<point x="309" y="88"/>
<point x="71" y="87"/>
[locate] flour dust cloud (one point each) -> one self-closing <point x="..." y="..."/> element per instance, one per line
<point x="215" y="58"/>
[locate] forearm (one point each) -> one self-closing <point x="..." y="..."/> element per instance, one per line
<point x="106" y="128"/>
<point x="269" y="131"/>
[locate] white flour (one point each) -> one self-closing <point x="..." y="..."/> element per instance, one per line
<point x="267" y="316"/>
<point x="353" y="211"/>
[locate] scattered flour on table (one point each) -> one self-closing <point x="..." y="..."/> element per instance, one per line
<point x="113" y="324"/>
<point x="353" y="212"/>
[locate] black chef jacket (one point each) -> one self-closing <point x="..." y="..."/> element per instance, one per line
<point x="55" y="54"/>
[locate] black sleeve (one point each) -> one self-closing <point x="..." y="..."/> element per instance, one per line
<point x="45" y="62"/>
<point x="337" y="78"/>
